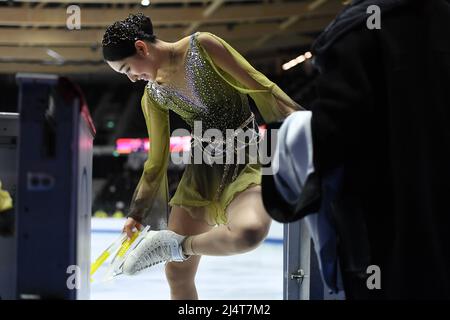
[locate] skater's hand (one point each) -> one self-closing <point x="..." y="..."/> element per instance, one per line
<point x="130" y="224"/>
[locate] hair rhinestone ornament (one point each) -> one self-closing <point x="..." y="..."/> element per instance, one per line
<point x="128" y="30"/>
<point x="118" y="40"/>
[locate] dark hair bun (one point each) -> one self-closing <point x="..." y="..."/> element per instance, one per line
<point x="118" y="40"/>
<point x="143" y="23"/>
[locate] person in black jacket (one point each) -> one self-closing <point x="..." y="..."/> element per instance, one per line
<point x="380" y="129"/>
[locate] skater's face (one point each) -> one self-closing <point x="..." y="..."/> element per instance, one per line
<point x="140" y="66"/>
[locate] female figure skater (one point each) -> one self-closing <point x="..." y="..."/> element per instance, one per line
<point x="204" y="80"/>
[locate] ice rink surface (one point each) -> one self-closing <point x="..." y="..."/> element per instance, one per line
<point x="255" y="275"/>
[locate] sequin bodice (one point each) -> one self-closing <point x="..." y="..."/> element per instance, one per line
<point x="203" y="92"/>
<point x="200" y="94"/>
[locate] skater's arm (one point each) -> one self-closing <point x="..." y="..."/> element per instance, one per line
<point x="149" y="204"/>
<point x="225" y="61"/>
<point x="239" y="73"/>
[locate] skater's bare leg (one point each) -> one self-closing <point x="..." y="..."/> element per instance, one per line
<point x="248" y="225"/>
<point x="181" y="275"/>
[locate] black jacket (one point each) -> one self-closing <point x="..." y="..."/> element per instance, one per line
<point x="381" y="117"/>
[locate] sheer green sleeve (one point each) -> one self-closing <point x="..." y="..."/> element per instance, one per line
<point x="272" y="102"/>
<point x="149" y="204"/>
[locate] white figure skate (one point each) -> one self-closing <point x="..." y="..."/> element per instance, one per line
<point x="156" y="247"/>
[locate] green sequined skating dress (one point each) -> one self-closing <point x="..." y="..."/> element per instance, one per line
<point x="208" y="94"/>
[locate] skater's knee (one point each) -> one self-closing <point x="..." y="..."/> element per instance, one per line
<point x="250" y="236"/>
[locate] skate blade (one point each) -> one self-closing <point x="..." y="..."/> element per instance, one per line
<point x="116" y="266"/>
<point x="117" y="250"/>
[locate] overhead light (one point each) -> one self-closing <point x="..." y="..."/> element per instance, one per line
<point x="300" y="59"/>
<point x="296" y="61"/>
<point x="55" y="55"/>
<point x="145" y="3"/>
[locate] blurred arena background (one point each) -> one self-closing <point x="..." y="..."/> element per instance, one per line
<point x="274" y="35"/>
<point x="34" y="38"/>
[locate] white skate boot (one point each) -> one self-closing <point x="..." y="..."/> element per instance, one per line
<point x="156" y="247"/>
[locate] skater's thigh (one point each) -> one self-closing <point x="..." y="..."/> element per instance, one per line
<point x="247" y="211"/>
<point x="181" y="222"/>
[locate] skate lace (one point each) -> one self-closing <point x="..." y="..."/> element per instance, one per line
<point x="154" y="256"/>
